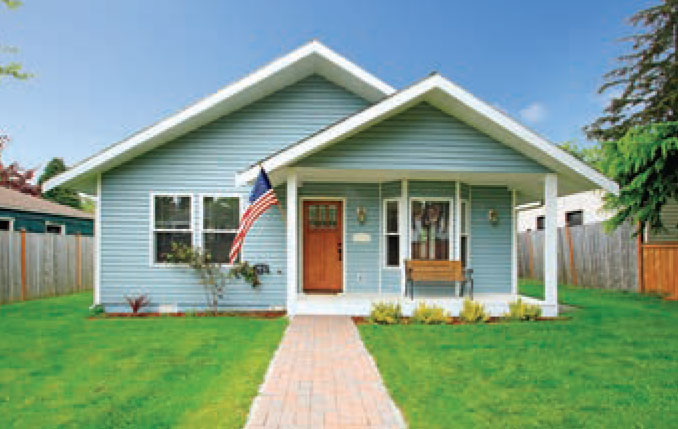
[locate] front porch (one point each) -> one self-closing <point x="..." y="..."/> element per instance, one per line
<point x="360" y="304"/>
<point x="379" y="218"/>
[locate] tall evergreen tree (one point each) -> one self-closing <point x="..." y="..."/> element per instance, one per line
<point x="648" y="76"/>
<point x="61" y="195"/>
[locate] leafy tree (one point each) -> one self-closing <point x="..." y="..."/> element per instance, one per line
<point x="61" y="195"/>
<point x="14" y="176"/>
<point x="591" y="155"/>
<point x="12" y="69"/>
<point x="647" y="77"/>
<point x="645" y="165"/>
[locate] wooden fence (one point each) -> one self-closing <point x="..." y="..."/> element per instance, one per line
<point x="587" y="256"/>
<point x="659" y="268"/>
<point x="37" y="265"/>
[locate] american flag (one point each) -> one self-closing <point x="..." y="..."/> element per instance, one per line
<point x="262" y="198"/>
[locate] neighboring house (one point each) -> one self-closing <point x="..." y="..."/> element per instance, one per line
<point x="587" y="207"/>
<point x="19" y="211"/>
<point x="578" y="209"/>
<point x="367" y="175"/>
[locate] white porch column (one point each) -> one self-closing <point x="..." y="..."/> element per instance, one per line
<point x="97" y="244"/>
<point x="292" y="243"/>
<point x="402" y="231"/>
<point x="551" y="244"/>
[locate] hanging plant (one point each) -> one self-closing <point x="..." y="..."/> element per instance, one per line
<point x="246" y="272"/>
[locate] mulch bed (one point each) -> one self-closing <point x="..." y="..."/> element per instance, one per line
<point x="361" y="320"/>
<point x="251" y="314"/>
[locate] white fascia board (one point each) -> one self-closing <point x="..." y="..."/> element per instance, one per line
<point x="527" y="135"/>
<point x="417" y="91"/>
<point x="172" y="126"/>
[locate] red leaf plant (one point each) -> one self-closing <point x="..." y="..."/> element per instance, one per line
<point x="137" y="302"/>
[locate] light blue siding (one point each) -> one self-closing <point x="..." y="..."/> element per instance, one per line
<point x="422" y="138"/>
<point x="491" y="244"/>
<point x="204" y="161"/>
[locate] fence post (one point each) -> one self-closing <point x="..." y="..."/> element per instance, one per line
<point x="529" y="253"/>
<point x="23" y="265"/>
<point x="573" y="269"/>
<point x="78" y="262"/>
<point x="639" y="257"/>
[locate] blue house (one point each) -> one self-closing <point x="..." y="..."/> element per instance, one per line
<point x="368" y="176"/>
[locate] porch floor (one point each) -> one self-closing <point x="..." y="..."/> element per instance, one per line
<point x="360" y="304"/>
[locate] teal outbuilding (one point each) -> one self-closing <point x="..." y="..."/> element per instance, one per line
<point x="23" y="212"/>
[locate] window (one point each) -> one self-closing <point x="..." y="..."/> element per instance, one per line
<point x="430" y="232"/>
<point x="540" y="223"/>
<point x="171" y="224"/>
<point x="464" y="232"/>
<point x="574" y="218"/>
<point x="6" y="224"/>
<point x="391" y="233"/>
<point x="54" y="228"/>
<point x="220" y="219"/>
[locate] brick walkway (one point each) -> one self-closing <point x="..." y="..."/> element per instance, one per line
<point x="323" y="377"/>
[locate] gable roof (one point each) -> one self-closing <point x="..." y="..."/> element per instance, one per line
<point x="459" y="103"/>
<point x="311" y="58"/>
<point x="15" y="200"/>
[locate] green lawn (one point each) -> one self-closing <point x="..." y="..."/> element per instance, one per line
<point x="59" y="369"/>
<point x="614" y="364"/>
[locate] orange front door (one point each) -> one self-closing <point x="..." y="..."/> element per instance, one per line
<point x="323" y="244"/>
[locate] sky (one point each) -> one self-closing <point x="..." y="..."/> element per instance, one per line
<point x="105" y="69"/>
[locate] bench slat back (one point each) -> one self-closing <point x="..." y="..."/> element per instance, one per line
<point x="434" y="271"/>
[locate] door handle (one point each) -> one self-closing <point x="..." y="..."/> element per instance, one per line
<point x="339" y="251"/>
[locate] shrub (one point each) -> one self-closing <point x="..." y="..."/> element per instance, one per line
<point x="137" y="302"/>
<point x="429" y="315"/>
<point x="386" y="313"/>
<point x="473" y="312"/>
<point x="96" y="310"/>
<point x="522" y="311"/>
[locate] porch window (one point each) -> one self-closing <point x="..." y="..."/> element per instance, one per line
<point x="171" y="224"/>
<point x="391" y="233"/>
<point x="220" y="219"/>
<point x="430" y="229"/>
<point x="464" y="232"/>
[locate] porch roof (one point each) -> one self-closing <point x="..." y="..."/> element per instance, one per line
<point x="575" y="175"/>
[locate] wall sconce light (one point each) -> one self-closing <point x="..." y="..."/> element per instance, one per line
<point x="361" y="215"/>
<point x="493" y="216"/>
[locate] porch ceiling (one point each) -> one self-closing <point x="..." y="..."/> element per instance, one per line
<point x="529" y="187"/>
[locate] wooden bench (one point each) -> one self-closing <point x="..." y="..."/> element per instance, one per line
<point x="437" y="271"/>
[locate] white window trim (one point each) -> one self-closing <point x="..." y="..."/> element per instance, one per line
<point x="152" y="230"/>
<point x="450" y="222"/>
<point x="465" y="202"/>
<point x="60" y="225"/>
<point x="385" y="233"/>
<point x="200" y="221"/>
<point x="11" y="223"/>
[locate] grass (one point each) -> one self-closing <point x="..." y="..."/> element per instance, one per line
<point x="614" y="364"/>
<point x="59" y="369"/>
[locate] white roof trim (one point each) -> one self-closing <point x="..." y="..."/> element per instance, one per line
<point x="181" y="122"/>
<point x="411" y="96"/>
